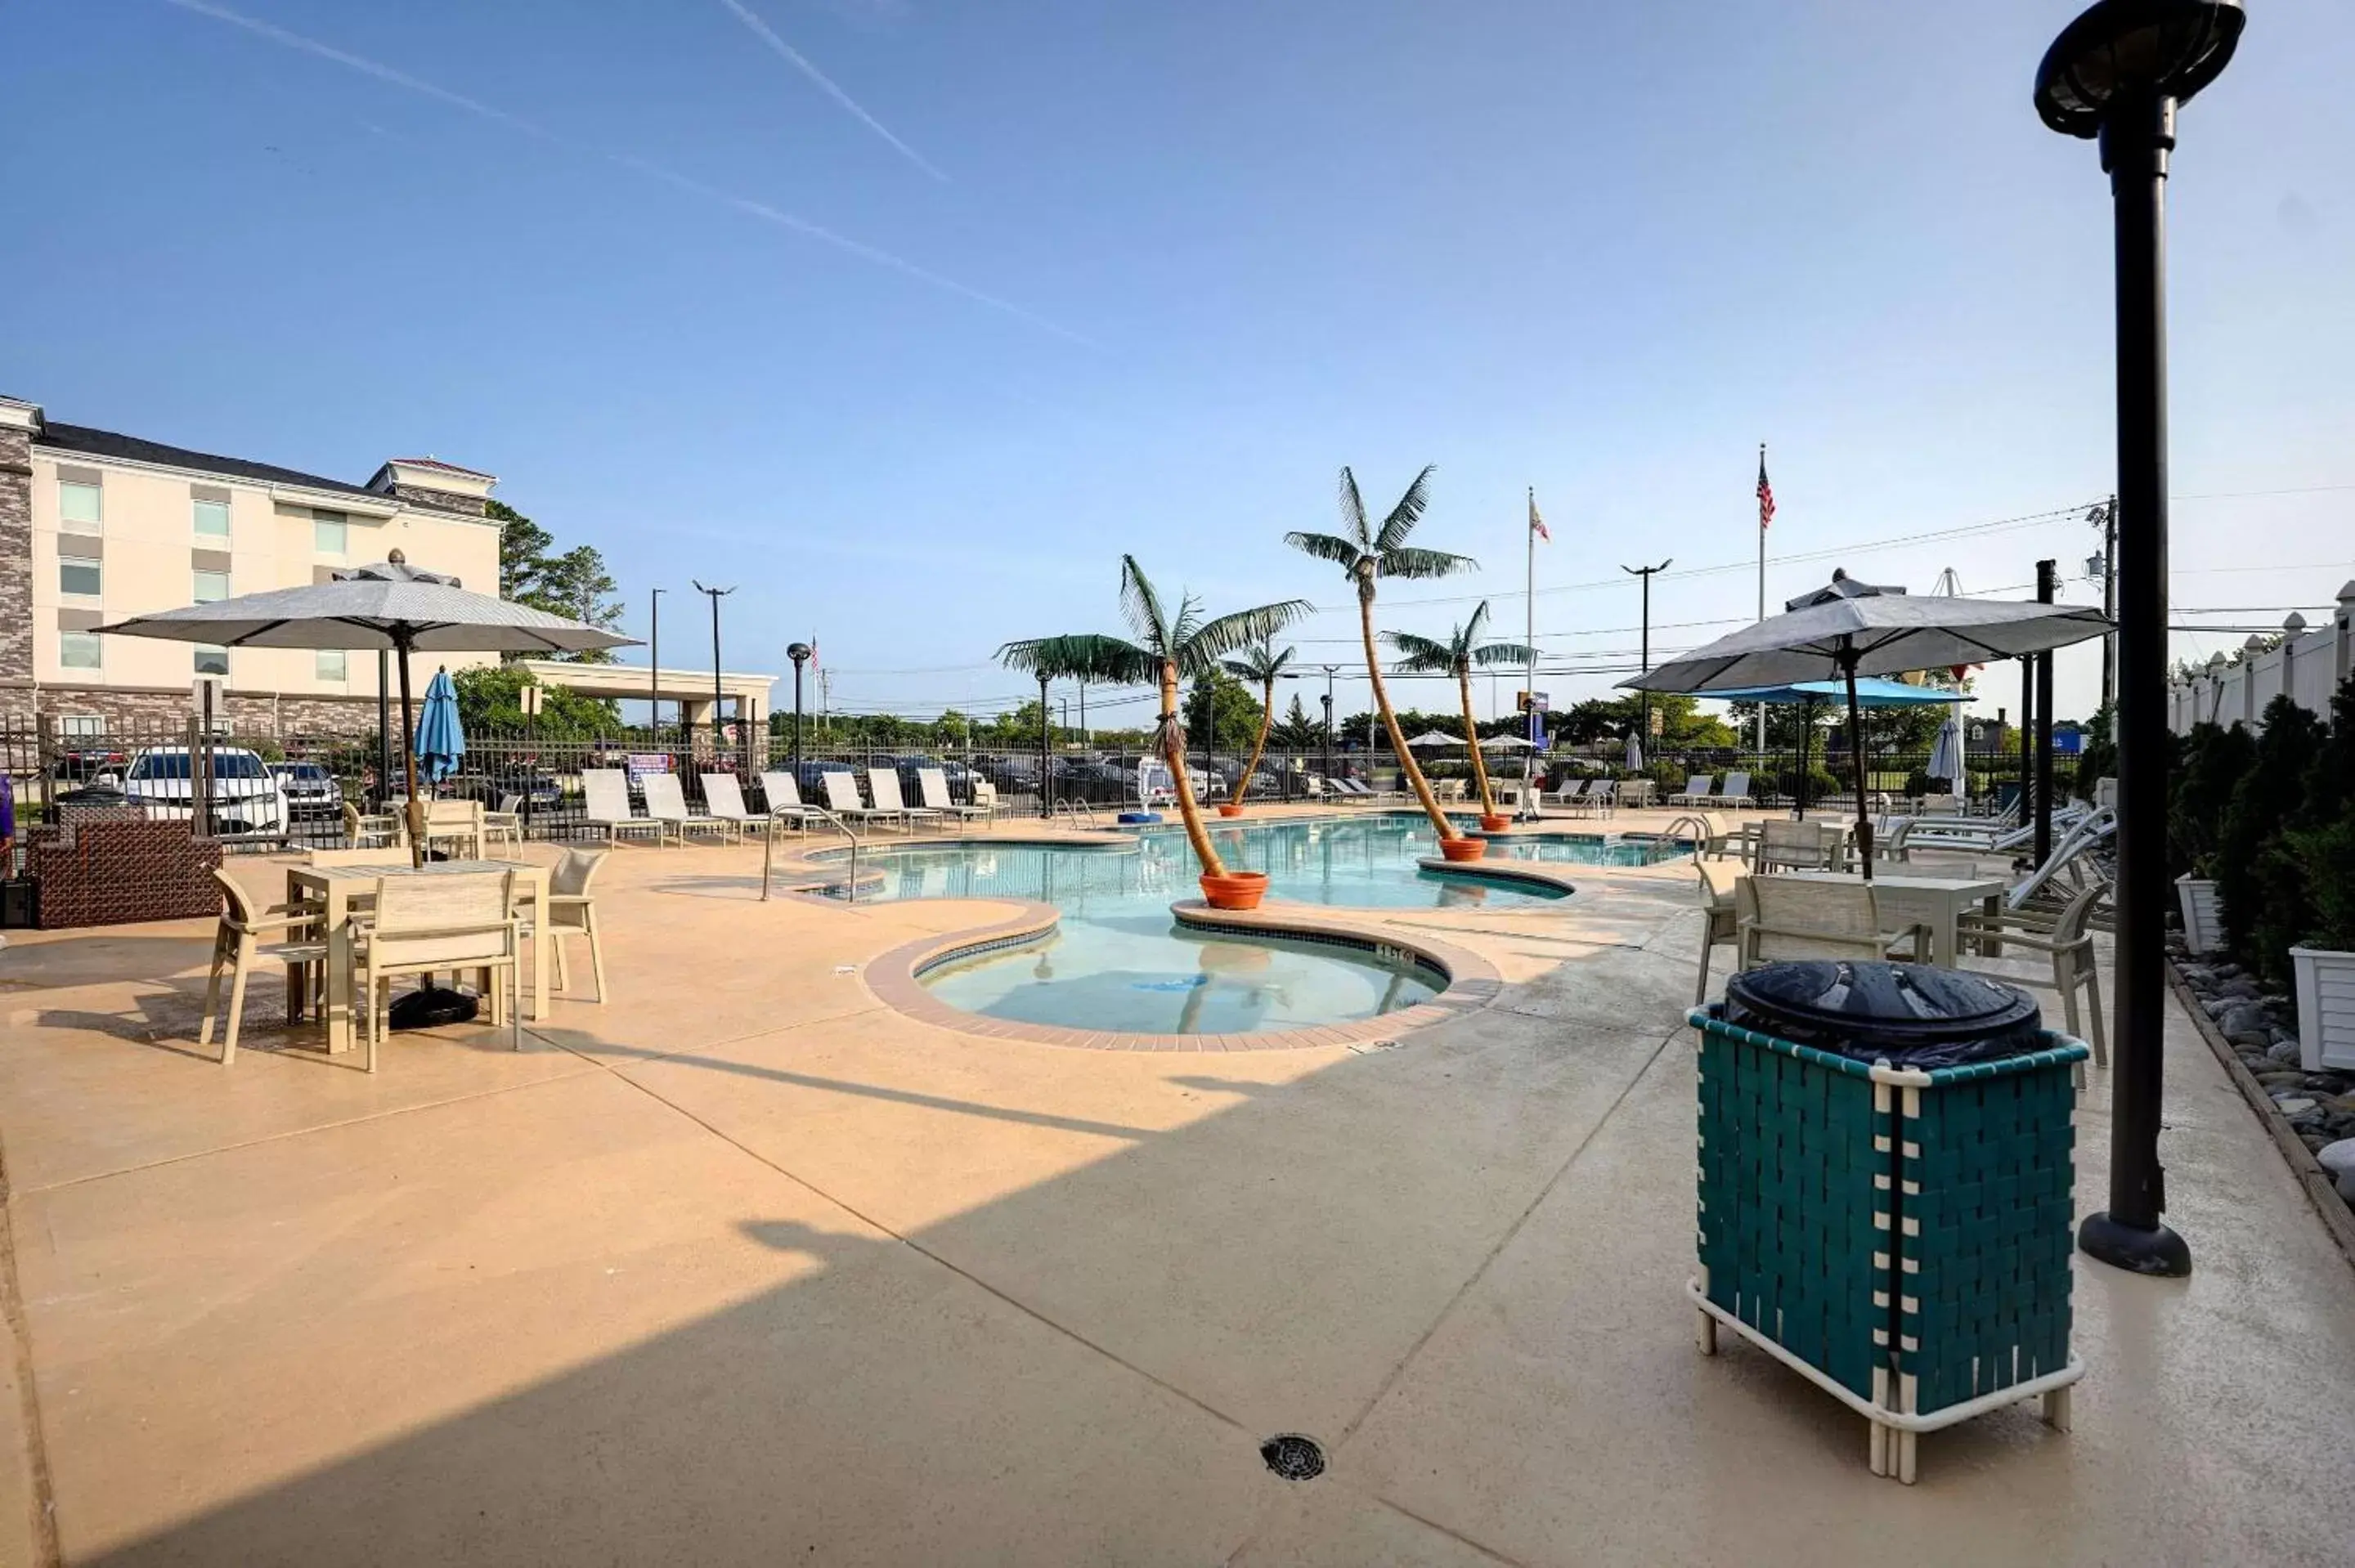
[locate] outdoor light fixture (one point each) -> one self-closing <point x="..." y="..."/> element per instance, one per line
<point x="799" y="653"/>
<point x="2118" y="72"/>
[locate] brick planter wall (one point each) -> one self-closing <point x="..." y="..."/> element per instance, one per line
<point x="118" y="873"/>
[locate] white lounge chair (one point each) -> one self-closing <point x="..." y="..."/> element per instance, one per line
<point x="783" y="799"/>
<point x="842" y="796"/>
<point x="666" y="802"/>
<point x="607" y="790"/>
<point x="1735" y="792"/>
<point x="933" y="785"/>
<point x="1602" y="797"/>
<point x="723" y="797"/>
<point x="1569" y="795"/>
<point x="883" y="787"/>
<point x="2068" y="870"/>
<point x="1699" y="789"/>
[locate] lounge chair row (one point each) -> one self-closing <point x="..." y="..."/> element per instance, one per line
<point x="668" y="820"/>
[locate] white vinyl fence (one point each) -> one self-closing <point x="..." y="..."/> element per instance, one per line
<point x="2308" y="664"/>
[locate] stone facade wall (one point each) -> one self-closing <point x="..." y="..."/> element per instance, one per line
<point x="146" y="713"/>
<point x="440" y="500"/>
<point x="16" y="557"/>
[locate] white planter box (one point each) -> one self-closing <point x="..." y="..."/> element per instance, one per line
<point x="2326" y="1008"/>
<point x="2202" y="929"/>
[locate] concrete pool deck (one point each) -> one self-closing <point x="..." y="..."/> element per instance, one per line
<point x="747" y="1267"/>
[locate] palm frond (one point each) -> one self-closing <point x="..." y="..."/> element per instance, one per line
<point x="1467" y="636"/>
<point x="1407" y="512"/>
<point x="1200" y="653"/>
<point x="1489" y="653"/>
<point x="1140" y="606"/>
<point x="1261" y="663"/>
<point x="1343" y="553"/>
<point x="1422" y="655"/>
<point x="1190" y="621"/>
<point x="1083" y="656"/>
<point x="1424" y="564"/>
<point x="1353" y="512"/>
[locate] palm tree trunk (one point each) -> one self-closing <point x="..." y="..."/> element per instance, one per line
<point x="1259" y="747"/>
<point x="1174" y="749"/>
<point x="1472" y="738"/>
<point x="1390" y="722"/>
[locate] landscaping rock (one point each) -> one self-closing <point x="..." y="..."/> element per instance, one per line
<point x="2283" y="1051"/>
<point x="2244" y="1018"/>
<point x="2244" y="989"/>
<point x="2277" y="1078"/>
<point x="2347" y="1188"/>
<point x="2339" y="1159"/>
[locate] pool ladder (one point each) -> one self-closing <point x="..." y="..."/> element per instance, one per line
<point x="768" y="854"/>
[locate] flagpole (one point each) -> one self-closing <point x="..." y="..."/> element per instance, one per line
<point x="1530" y="624"/>
<point x="1761" y="599"/>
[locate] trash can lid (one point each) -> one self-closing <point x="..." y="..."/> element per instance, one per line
<point x="1868" y="1008"/>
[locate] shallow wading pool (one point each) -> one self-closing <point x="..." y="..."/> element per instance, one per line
<point x="1118" y="962"/>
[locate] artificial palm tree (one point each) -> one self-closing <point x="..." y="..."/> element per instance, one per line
<point x="1263" y="664"/>
<point x="1167" y="647"/>
<point x="1457" y="656"/>
<point x="1368" y="553"/>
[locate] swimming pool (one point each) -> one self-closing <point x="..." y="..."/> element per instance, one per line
<point x="1119" y="962"/>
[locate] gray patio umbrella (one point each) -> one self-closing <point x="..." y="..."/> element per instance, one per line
<point x="389" y="605"/>
<point x="1850" y="629"/>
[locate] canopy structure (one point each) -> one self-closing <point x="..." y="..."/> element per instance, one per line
<point x="389" y="605"/>
<point x="1433" y="737"/>
<point x="1851" y="630"/>
<point x="1506" y="742"/>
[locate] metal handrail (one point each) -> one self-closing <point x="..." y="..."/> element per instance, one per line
<point x="769" y="852"/>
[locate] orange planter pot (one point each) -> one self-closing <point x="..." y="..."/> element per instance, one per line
<point x="1229" y="808"/>
<point x="1496" y="825"/>
<point x="1464" y="849"/>
<point x="1236" y="890"/>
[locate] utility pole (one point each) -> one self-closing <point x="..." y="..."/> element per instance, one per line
<point x="719" y="734"/>
<point x="654" y="654"/>
<point x="2048" y="585"/>
<point x="2105" y="518"/>
<point x="1644" y="706"/>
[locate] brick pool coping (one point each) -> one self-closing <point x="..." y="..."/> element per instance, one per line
<point x="1470" y="983"/>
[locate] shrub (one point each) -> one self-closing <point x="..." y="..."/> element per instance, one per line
<point x="2213" y="760"/>
<point x="2261" y="890"/>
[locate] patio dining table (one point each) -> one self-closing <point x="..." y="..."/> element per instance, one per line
<point x="1936" y="902"/>
<point x="338" y="888"/>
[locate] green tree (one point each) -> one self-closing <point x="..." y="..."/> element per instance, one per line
<point x="1169" y="645"/>
<point x="1221" y="712"/>
<point x="573" y="583"/>
<point x="2259" y="887"/>
<point x="1368" y="554"/>
<point x="490" y="698"/>
<point x="1298" y="731"/>
<point x="1457" y="656"/>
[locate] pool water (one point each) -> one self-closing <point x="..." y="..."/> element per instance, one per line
<point x="1119" y="962"/>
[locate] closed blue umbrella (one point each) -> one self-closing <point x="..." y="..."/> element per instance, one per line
<point x="1946" y="757"/>
<point x="441" y="739"/>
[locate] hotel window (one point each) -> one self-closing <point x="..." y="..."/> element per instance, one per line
<point x="79" y="578"/>
<point x="212" y="661"/>
<point x="329" y="664"/>
<point x="327" y="532"/>
<point x="210" y="506"/>
<point x="77" y="650"/>
<point x="81" y="726"/>
<point x="81" y="504"/>
<point x="209" y="586"/>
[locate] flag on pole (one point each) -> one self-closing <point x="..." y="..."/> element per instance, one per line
<point x="1766" y="493"/>
<point x="1537" y="524"/>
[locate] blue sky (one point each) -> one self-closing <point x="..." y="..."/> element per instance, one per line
<point x="909" y="317"/>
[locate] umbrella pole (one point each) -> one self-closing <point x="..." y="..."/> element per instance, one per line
<point x="1855" y="759"/>
<point x="1806" y="733"/>
<point x="415" y="810"/>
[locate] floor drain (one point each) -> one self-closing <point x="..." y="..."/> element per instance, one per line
<point x="1292" y="1457"/>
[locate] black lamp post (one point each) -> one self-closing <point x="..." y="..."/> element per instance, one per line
<point x="718" y="733"/>
<point x="1330" y="670"/>
<point x="2118" y="73"/>
<point x="1644" y="704"/>
<point x="1046" y="802"/>
<point x="799" y="653"/>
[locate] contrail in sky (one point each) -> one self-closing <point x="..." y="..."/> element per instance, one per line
<point x="744" y="204"/>
<point x="794" y="57"/>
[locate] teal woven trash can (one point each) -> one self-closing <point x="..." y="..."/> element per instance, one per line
<point x="1902" y="1238"/>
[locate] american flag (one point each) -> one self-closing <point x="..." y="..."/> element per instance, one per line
<point x="1766" y="493"/>
<point x="1537" y="524"/>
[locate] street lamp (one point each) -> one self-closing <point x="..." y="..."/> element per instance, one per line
<point x="1328" y="669"/>
<point x="799" y="653"/>
<point x="719" y="735"/>
<point x="2118" y="73"/>
<point x="654" y="663"/>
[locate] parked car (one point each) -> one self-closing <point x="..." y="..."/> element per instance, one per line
<point x="312" y="792"/>
<point x="246" y="798"/>
<point x="82" y="764"/>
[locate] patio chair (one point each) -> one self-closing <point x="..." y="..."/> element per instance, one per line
<point x="370" y="832"/>
<point x="1700" y="789"/>
<point x="1719" y="880"/>
<point x="783" y="799"/>
<point x="1735" y="793"/>
<point x="842" y="796"/>
<point x="458" y="822"/>
<point x="1568" y="797"/>
<point x="504" y="826"/>
<point x="424" y="924"/>
<point x="723" y="797"/>
<point x="1636" y="792"/>
<point x="2066" y="939"/>
<point x="666" y="802"/>
<point x="607" y="792"/>
<point x="984" y="796"/>
<point x="1780" y="918"/>
<point x="934" y="786"/>
<point x="243" y="940"/>
<point x="570" y="909"/>
<point x="1797" y="846"/>
<point x="883" y="787"/>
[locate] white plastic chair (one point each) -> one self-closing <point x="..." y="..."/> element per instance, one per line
<point x="421" y="924"/>
<point x="238" y="944"/>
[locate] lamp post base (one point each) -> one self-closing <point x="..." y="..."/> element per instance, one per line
<point x="2159" y="1251"/>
